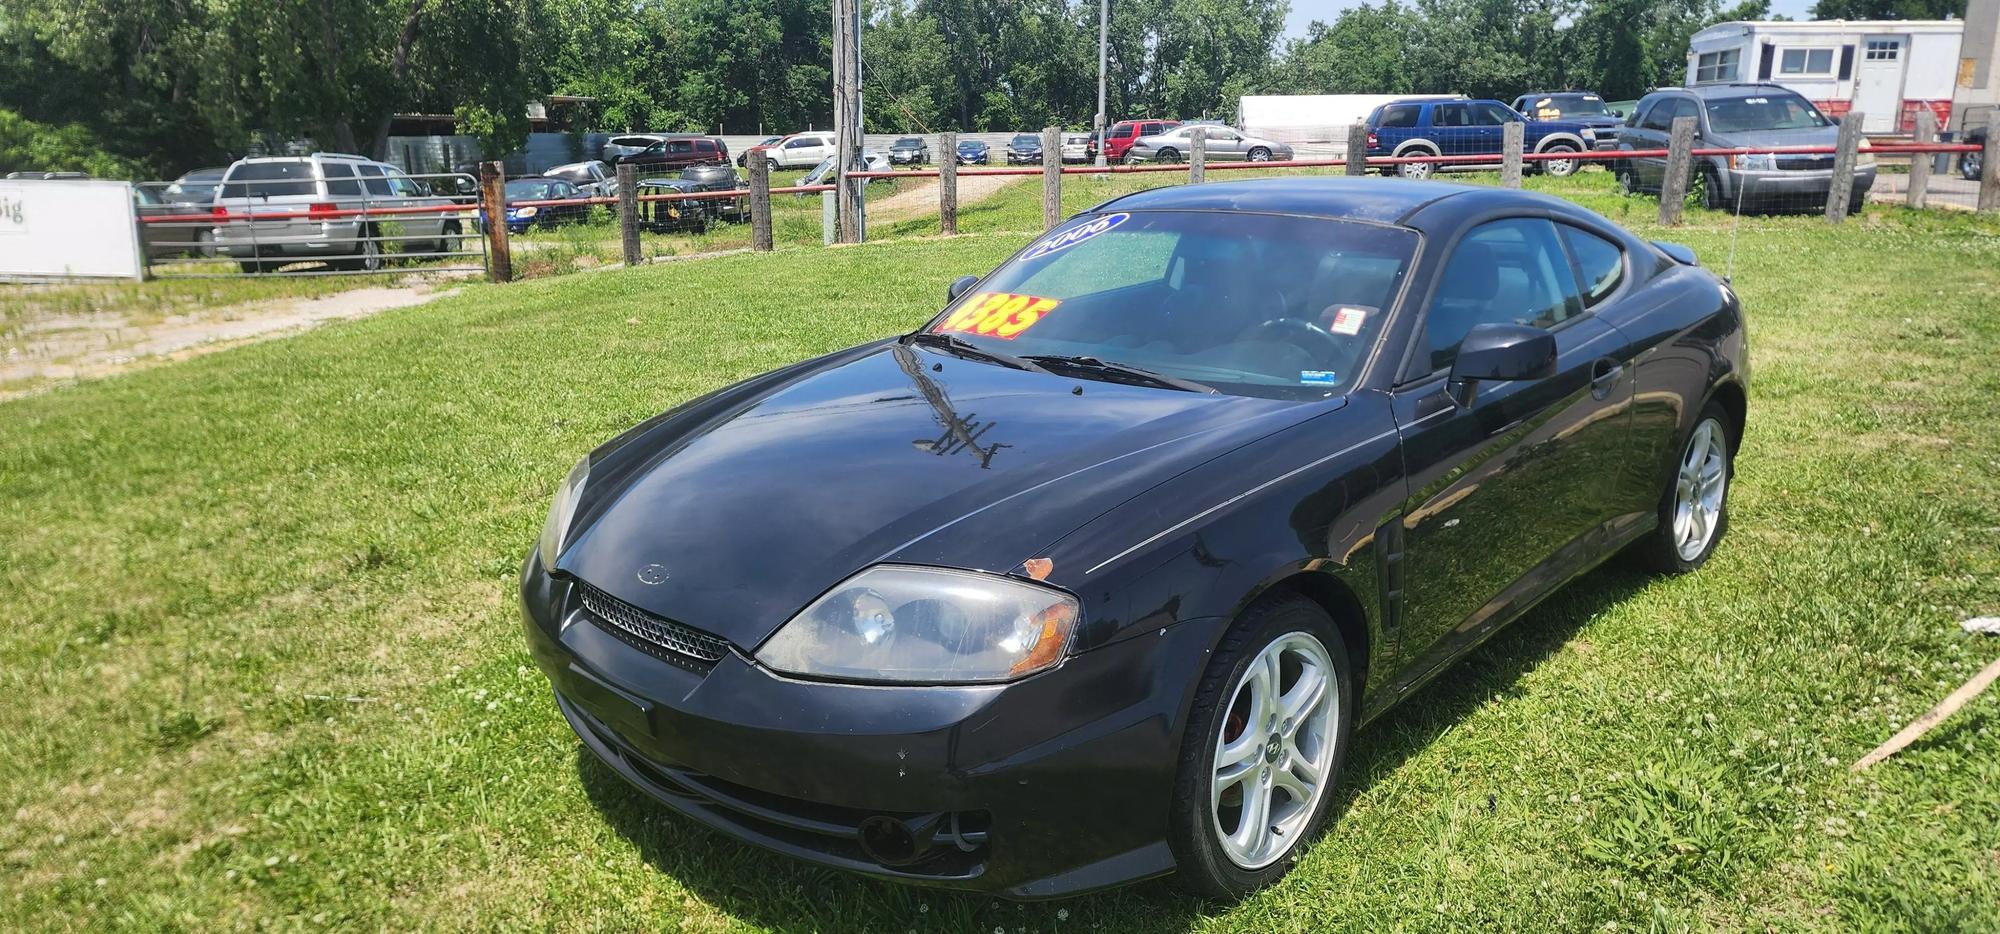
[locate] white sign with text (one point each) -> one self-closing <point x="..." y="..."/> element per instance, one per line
<point x="68" y="228"/>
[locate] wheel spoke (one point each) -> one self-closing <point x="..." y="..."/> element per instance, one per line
<point x="1237" y="751"/>
<point x="1253" y="832"/>
<point x="1293" y="785"/>
<point x="1302" y="765"/>
<point x="1302" y="699"/>
<point x="1233" y="776"/>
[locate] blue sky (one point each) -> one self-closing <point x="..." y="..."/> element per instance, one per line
<point x="1305" y="11"/>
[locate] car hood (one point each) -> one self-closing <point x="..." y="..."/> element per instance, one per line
<point x="1756" y="139"/>
<point x="751" y="509"/>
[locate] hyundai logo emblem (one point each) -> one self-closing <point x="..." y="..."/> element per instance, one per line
<point x="653" y="574"/>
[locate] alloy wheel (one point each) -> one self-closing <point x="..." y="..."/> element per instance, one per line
<point x="1260" y="154"/>
<point x="1560" y="168"/>
<point x="1699" y="489"/>
<point x="1274" y="755"/>
<point x="1415" y="170"/>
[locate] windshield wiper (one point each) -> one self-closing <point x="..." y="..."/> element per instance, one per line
<point x="954" y="344"/>
<point x="1125" y="370"/>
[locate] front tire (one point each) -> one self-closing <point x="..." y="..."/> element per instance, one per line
<point x="1560" y="168"/>
<point x="1272" y="717"/>
<point x="1260" y="154"/>
<point x="1694" y="509"/>
<point x="1969" y="166"/>
<point x="1417" y="171"/>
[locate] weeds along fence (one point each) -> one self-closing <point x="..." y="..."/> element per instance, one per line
<point x="1833" y="180"/>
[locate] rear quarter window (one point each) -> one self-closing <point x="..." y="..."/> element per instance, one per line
<point x="1400" y="115"/>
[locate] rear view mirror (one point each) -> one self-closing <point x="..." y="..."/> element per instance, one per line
<point x="1504" y="352"/>
<point x="959" y="286"/>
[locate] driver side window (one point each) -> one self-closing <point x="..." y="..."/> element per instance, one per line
<point x="1510" y="271"/>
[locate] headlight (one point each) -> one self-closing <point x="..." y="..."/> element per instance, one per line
<point x="1754" y="162"/>
<point x="1589" y="135"/>
<point x="555" y="532"/>
<point x="524" y="212"/>
<point x="898" y="623"/>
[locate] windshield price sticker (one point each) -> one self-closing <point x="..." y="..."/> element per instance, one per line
<point x="1348" y="320"/>
<point x="998" y="314"/>
<point x="1074" y="236"/>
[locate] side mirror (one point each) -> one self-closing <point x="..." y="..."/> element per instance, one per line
<point x="1618" y="113"/>
<point x="959" y="286"/>
<point x="1505" y="352"/>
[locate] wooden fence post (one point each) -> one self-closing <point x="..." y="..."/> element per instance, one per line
<point x="1840" y="189"/>
<point x="628" y="211"/>
<point x="1051" y="177"/>
<point x="948" y="184"/>
<point x="760" y="202"/>
<point x="1511" y="138"/>
<point x="1197" y="155"/>
<point x="1357" y="148"/>
<point x="1920" y="162"/>
<point x="1989" y="178"/>
<point x="493" y="208"/>
<point x="1680" y="168"/>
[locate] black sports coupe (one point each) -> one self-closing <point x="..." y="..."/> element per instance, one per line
<point x="1091" y="577"/>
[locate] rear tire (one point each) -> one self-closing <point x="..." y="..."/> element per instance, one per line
<point x="1282" y="734"/>
<point x="449" y="239"/>
<point x="1169" y="154"/>
<point x="1694" y="508"/>
<point x="1969" y="166"/>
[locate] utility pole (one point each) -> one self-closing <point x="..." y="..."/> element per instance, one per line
<point x="847" y="114"/>
<point x="1103" y="21"/>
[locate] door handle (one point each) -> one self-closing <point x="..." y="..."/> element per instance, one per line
<point x="1604" y="377"/>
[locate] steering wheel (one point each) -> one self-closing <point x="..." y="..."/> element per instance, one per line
<point x="1305" y="332"/>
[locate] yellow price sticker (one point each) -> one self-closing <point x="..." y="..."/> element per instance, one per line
<point x="998" y="314"/>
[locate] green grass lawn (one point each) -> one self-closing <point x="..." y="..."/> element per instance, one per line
<point x="264" y="667"/>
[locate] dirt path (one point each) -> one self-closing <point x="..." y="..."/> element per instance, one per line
<point x="923" y="199"/>
<point x="62" y="348"/>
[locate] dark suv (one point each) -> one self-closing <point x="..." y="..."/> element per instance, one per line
<point x="1740" y="116"/>
<point x="680" y="151"/>
<point x="1464" y="127"/>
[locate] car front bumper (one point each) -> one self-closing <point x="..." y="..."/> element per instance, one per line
<point x="1784" y="185"/>
<point x="1024" y="158"/>
<point x="905" y="158"/>
<point x="1059" y="783"/>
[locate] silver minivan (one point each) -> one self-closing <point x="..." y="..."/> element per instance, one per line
<point x="328" y="183"/>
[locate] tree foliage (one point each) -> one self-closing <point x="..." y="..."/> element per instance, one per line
<point x="170" y="84"/>
<point x="1889" y="9"/>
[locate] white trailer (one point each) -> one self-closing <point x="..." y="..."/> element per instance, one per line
<point x="1884" y="69"/>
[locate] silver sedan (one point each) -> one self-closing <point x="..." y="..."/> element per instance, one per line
<point x="1224" y="144"/>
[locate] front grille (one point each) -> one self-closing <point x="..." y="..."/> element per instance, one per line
<point x="1805" y="163"/>
<point x="653" y="631"/>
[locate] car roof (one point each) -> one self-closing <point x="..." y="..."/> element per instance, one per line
<point x="1365" y="199"/>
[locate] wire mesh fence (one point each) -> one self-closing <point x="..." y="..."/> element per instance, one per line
<point x="439" y="222"/>
<point x="306" y="217"/>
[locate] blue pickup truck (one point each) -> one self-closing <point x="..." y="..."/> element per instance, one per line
<point x="1462" y="127"/>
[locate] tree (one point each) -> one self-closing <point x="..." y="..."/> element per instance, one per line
<point x="1889" y="9"/>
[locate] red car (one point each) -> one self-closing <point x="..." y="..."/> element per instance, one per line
<point x="1124" y="133"/>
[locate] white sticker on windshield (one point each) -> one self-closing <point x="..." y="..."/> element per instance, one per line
<point x="1324" y="377"/>
<point x="1075" y="235"/>
<point x="1348" y="320"/>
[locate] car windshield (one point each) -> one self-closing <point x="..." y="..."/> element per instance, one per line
<point x="1766" y="111"/>
<point x="574" y="174"/>
<point x="267" y="179"/>
<point x="528" y="189"/>
<point x="1254" y="304"/>
<point x="907" y="142"/>
<point x="1555" y="106"/>
<point x="1027" y="140"/>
